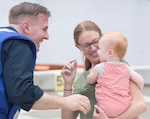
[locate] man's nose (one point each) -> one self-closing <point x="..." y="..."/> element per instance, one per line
<point x="46" y="36"/>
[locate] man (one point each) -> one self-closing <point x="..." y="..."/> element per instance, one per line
<point x="28" y="27"/>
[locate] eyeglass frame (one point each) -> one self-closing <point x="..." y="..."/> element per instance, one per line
<point x="87" y="46"/>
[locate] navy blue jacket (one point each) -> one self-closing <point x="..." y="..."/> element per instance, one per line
<point x="18" y="57"/>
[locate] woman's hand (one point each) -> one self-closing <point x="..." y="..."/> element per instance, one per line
<point x="99" y="113"/>
<point x="69" y="72"/>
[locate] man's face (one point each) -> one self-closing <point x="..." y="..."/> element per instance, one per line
<point x="39" y="30"/>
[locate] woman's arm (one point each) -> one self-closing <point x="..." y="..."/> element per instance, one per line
<point x="68" y="74"/>
<point x="67" y="114"/>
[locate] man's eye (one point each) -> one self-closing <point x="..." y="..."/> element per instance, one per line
<point x="44" y="30"/>
<point x="96" y="41"/>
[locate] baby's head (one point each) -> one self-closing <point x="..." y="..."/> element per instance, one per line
<point x="115" y="41"/>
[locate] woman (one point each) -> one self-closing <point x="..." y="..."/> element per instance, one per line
<point x="86" y="36"/>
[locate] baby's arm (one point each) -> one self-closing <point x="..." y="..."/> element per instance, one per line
<point x="93" y="75"/>
<point x="137" y="78"/>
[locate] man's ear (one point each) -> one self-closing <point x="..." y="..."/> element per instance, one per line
<point x="25" y="27"/>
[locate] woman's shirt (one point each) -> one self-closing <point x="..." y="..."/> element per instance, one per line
<point x="81" y="86"/>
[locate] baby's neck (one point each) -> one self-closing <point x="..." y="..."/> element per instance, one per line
<point x="114" y="59"/>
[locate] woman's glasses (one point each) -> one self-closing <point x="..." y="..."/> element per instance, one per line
<point x="87" y="46"/>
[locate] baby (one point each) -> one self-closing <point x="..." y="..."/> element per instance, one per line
<point x="113" y="76"/>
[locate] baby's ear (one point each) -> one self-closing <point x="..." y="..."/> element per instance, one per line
<point x="111" y="52"/>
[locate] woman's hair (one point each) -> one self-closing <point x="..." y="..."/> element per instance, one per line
<point x="26" y="9"/>
<point x="79" y="29"/>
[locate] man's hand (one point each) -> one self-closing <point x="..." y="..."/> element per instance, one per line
<point x="77" y="102"/>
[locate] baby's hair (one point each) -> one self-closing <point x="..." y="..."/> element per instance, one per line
<point x="118" y="42"/>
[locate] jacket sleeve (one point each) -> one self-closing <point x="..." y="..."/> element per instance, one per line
<point x="17" y="61"/>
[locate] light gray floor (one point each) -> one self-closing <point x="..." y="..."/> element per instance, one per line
<point x="55" y="114"/>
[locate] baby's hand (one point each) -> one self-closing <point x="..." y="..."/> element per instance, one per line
<point x="99" y="113"/>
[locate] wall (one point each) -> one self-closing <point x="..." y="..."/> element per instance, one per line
<point x="128" y="16"/>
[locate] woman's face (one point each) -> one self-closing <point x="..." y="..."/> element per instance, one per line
<point x="88" y="43"/>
